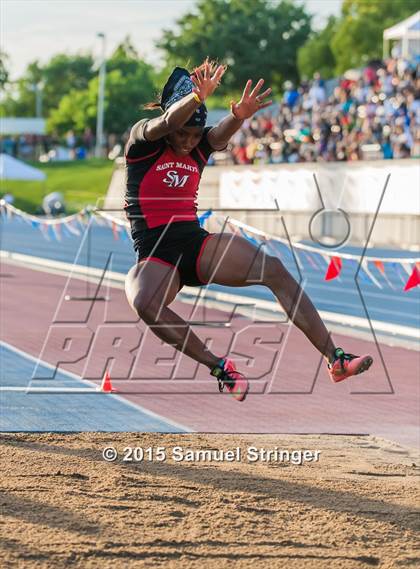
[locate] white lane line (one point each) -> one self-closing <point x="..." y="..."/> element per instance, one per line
<point x="59" y="267"/>
<point x="334" y="317"/>
<point x="93" y="274"/>
<point x="29" y="390"/>
<point x="126" y="402"/>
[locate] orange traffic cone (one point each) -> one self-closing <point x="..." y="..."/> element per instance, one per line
<point x="106" y="385"/>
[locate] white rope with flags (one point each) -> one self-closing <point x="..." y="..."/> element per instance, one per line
<point x="372" y="269"/>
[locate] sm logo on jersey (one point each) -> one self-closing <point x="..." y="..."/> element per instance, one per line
<point x="173" y="180"/>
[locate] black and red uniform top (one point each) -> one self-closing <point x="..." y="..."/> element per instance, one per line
<point x="161" y="186"/>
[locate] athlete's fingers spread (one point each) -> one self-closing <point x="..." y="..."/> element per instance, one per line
<point x="265" y="94"/>
<point x="257" y="87"/>
<point x="219" y="73"/>
<point x="198" y="74"/>
<point x="212" y="68"/>
<point x="247" y="88"/>
<point x="221" y="70"/>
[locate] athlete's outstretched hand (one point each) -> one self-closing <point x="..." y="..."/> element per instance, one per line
<point x="251" y="101"/>
<point x="207" y="78"/>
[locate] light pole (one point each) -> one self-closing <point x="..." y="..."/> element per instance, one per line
<point x="37" y="89"/>
<point x="38" y="94"/>
<point x="101" y="95"/>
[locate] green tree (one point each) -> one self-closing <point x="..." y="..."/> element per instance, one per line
<point x="359" y="33"/>
<point x="62" y="74"/>
<point x="76" y="111"/>
<point x="124" y="58"/>
<point x="256" y="38"/>
<point x="316" y="55"/>
<point x="20" y="99"/>
<point x="4" y="71"/>
<point x="129" y="84"/>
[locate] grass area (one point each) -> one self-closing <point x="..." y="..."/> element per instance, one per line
<point x="81" y="183"/>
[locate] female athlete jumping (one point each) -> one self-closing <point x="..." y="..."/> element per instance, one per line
<point x="165" y="158"/>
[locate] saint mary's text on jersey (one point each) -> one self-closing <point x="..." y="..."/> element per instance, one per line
<point x="167" y="165"/>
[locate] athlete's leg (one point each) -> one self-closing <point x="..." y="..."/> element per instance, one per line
<point x="231" y="260"/>
<point x="150" y="287"/>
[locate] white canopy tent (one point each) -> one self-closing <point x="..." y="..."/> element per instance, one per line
<point x="13" y="169"/>
<point x="407" y="33"/>
<point x="17" y="125"/>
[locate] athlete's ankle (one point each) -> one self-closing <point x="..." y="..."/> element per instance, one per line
<point x="215" y="361"/>
<point x="330" y="355"/>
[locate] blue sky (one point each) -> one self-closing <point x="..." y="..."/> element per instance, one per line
<point x="37" y="29"/>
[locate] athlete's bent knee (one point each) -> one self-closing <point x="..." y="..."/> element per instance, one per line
<point x="148" y="309"/>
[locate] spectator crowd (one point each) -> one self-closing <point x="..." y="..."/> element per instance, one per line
<point x="368" y="113"/>
<point x="372" y="113"/>
<point x="49" y="146"/>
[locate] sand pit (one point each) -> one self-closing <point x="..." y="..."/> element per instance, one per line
<point x="63" y="505"/>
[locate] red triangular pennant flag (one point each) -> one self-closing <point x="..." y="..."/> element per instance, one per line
<point x="380" y="266"/>
<point x="115" y="230"/>
<point x="334" y="268"/>
<point x="413" y="279"/>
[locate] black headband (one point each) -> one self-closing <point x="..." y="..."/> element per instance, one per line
<point x="178" y="86"/>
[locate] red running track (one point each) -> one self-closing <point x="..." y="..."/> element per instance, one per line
<point x="287" y="395"/>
